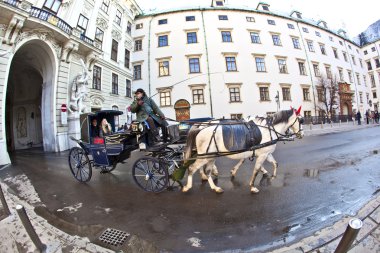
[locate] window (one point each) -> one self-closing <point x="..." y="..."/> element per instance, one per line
<point x="255" y="38"/>
<point x="165" y="98"/>
<point x="219" y="3"/>
<point x="365" y="80"/>
<point x="290" y="26"/>
<point x="105" y="5"/>
<point x="341" y="43"/>
<point x="194" y="65"/>
<point x="235" y="94"/>
<point x="365" y="52"/>
<point x="353" y="60"/>
<point x="264" y="94"/>
<point x="307" y="114"/>
<point x="52" y="5"/>
<point x="231" y="63"/>
<point x="190" y="18"/>
<point x="304" y="29"/>
<point x="226" y="36"/>
<point x="162" y="41"/>
<point x="128" y="88"/>
<point x="276" y="39"/>
<point x="137" y="72"/>
<point x="361" y="63"/>
<point x="271" y="22"/>
<point x="377" y="63"/>
<point x="282" y="66"/>
<point x="299" y="15"/>
<point x="114" y="50"/>
<point x="310" y="46"/>
<point x="335" y="53"/>
<point x="162" y="21"/>
<point x="115" y="84"/>
<point x="328" y="72"/>
<point x="139" y="26"/>
<point x="361" y="97"/>
<point x="306" y="94"/>
<point x="374" y="95"/>
<point x="373" y="49"/>
<point x="127" y="58"/>
<point x="260" y="64"/>
<point x="163" y="68"/>
<point x="192" y="37"/>
<point x="345" y="56"/>
<point x="99" y="34"/>
<point x="138" y="45"/>
<point x="316" y="70"/>
<point x="250" y="19"/>
<point x="320" y="94"/>
<point x="286" y="94"/>
<point x="265" y="8"/>
<point x="373" y="83"/>
<point x="118" y="17"/>
<point x="236" y="116"/>
<point x="369" y="65"/>
<point x="116" y="118"/>
<point x="358" y="78"/>
<point x="350" y="76"/>
<point x="129" y="28"/>
<point x="301" y="66"/>
<point x="223" y="17"/>
<point x="318" y="34"/>
<point x="349" y="46"/>
<point x="82" y="23"/>
<point x="323" y="50"/>
<point x="198" y="97"/>
<point x="341" y="77"/>
<point x="97" y="78"/>
<point x="331" y="38"/>
<point x="296" y="43"/>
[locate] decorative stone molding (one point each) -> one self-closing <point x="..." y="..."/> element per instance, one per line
<point x="116" y="35"/>
<point x="26" y="6"/>
<point x="87" y="8"/>
<point x="14" y="27"/>
<point x="97" y="100"/>
<point x="102" y="23"/>
<point x="3" y="29"/>
<point x="66" y="3"/>
<point x="128" y="43"/>
<point x="91" y="59"/>
<point x="68" y="48"/>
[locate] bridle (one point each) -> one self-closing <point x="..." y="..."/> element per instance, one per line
<point x="300" y="122"/>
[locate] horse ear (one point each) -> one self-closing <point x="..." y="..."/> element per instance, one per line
<point x="291" y="108"/>
<point x="298" y="112"/>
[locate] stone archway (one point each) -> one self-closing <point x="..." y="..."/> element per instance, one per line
<point x="30" y="107"/>
<point x="182" y="110"/>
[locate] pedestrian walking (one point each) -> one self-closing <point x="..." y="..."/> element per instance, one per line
<point x="367" y="116"/>
<point x="377" y="117"/>
<point x="358" y="117"/>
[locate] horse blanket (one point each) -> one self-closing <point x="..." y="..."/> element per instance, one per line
<point x="239" y="136"/>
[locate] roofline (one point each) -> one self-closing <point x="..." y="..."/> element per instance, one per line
<point x="247" y="10"/>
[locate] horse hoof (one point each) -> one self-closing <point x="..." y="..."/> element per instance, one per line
<point x="254" y="190"/>
<point x="232" y="177"/>
<point x="185" y="189"/>
<point x="219" y="190"/>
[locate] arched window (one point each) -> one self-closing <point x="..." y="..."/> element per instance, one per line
<point x="115" y="108"/>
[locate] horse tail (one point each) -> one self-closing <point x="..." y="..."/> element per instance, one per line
<point x="190" y="142"/>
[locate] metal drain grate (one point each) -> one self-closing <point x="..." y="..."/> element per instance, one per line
<point x="113" y="237"/>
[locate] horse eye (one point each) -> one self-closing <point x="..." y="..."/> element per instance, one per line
<point x="301" y="120"/>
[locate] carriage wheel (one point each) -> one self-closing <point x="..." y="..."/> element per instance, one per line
<point x="150" y="174"/>
<point x="80" y="165"/>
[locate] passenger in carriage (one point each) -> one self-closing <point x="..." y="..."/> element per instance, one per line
<point x="105" y="128"/>
<point x="94" y="128"/>
<point x="147" y="110"/>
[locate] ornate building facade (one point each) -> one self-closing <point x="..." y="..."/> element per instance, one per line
<point x="56" y="54"/>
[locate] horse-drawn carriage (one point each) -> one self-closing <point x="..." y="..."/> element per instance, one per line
<point x="163" y="165"/>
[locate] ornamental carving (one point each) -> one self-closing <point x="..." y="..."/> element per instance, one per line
<point x="97" y="100"/>
<point x="3" y="28"/>
<point x="66" y="3"/>
<point x="128" y="43"/>
<point x="116" y="35"/>
<point x="102" y="23"/>
<point x="87" y="7"/>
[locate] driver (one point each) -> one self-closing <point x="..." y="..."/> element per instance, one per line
<point x="147" y="110"/>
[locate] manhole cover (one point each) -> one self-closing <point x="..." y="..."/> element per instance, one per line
<point x="113" y="237"/>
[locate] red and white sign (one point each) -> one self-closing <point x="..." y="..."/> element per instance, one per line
<point x="63" y="108"/>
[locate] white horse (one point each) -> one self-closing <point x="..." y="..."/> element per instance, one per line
<point x="209" y="139"/>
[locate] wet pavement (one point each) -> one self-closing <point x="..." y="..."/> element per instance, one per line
<point x="320" y="180"/>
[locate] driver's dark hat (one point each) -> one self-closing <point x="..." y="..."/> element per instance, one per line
<point x="139" y="90"/>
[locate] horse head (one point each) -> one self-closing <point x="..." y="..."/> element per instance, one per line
<point x="297" y="122"/>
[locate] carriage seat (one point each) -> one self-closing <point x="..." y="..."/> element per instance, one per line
<point x="239" y="136"/>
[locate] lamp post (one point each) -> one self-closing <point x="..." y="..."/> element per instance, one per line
<point x="277" y="99"/>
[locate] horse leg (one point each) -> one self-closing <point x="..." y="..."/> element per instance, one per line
<point x="259" y="162"/>
<point x="204" y="177"/>
<point x="192" y="169"/>
<point x="215" y="171"/>
<point x="236" y="167"/>
<point x="275" y="164"/>
<point x="210" y="169"/>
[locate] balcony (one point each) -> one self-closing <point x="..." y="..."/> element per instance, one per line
<point x="86" y="39"/>
<point x="51" y="19"/>
<point x="14" y="3"/>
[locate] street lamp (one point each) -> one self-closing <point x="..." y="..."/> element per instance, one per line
<point x="277" y="99"/>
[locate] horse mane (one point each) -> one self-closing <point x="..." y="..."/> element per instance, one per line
<point x="282" y="116"/>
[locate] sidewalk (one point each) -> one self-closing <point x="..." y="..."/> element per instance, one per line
<point x="13" y="236"/>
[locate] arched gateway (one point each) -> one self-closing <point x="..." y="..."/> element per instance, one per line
<point x="29" y="107"/>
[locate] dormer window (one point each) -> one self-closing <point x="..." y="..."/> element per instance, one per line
<point x="219" y="3"/>
<point x="162" y="21"/>
<point x="263" y="6"/>
<point x="298" y="15"/>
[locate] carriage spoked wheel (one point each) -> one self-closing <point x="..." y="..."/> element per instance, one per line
<point x="151" y="174"/>
<point x="80" y="165"/>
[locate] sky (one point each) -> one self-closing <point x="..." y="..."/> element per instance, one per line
<point x="352" y="15"/>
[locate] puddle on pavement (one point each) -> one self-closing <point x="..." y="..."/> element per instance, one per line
<point x="311" y="173"/>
